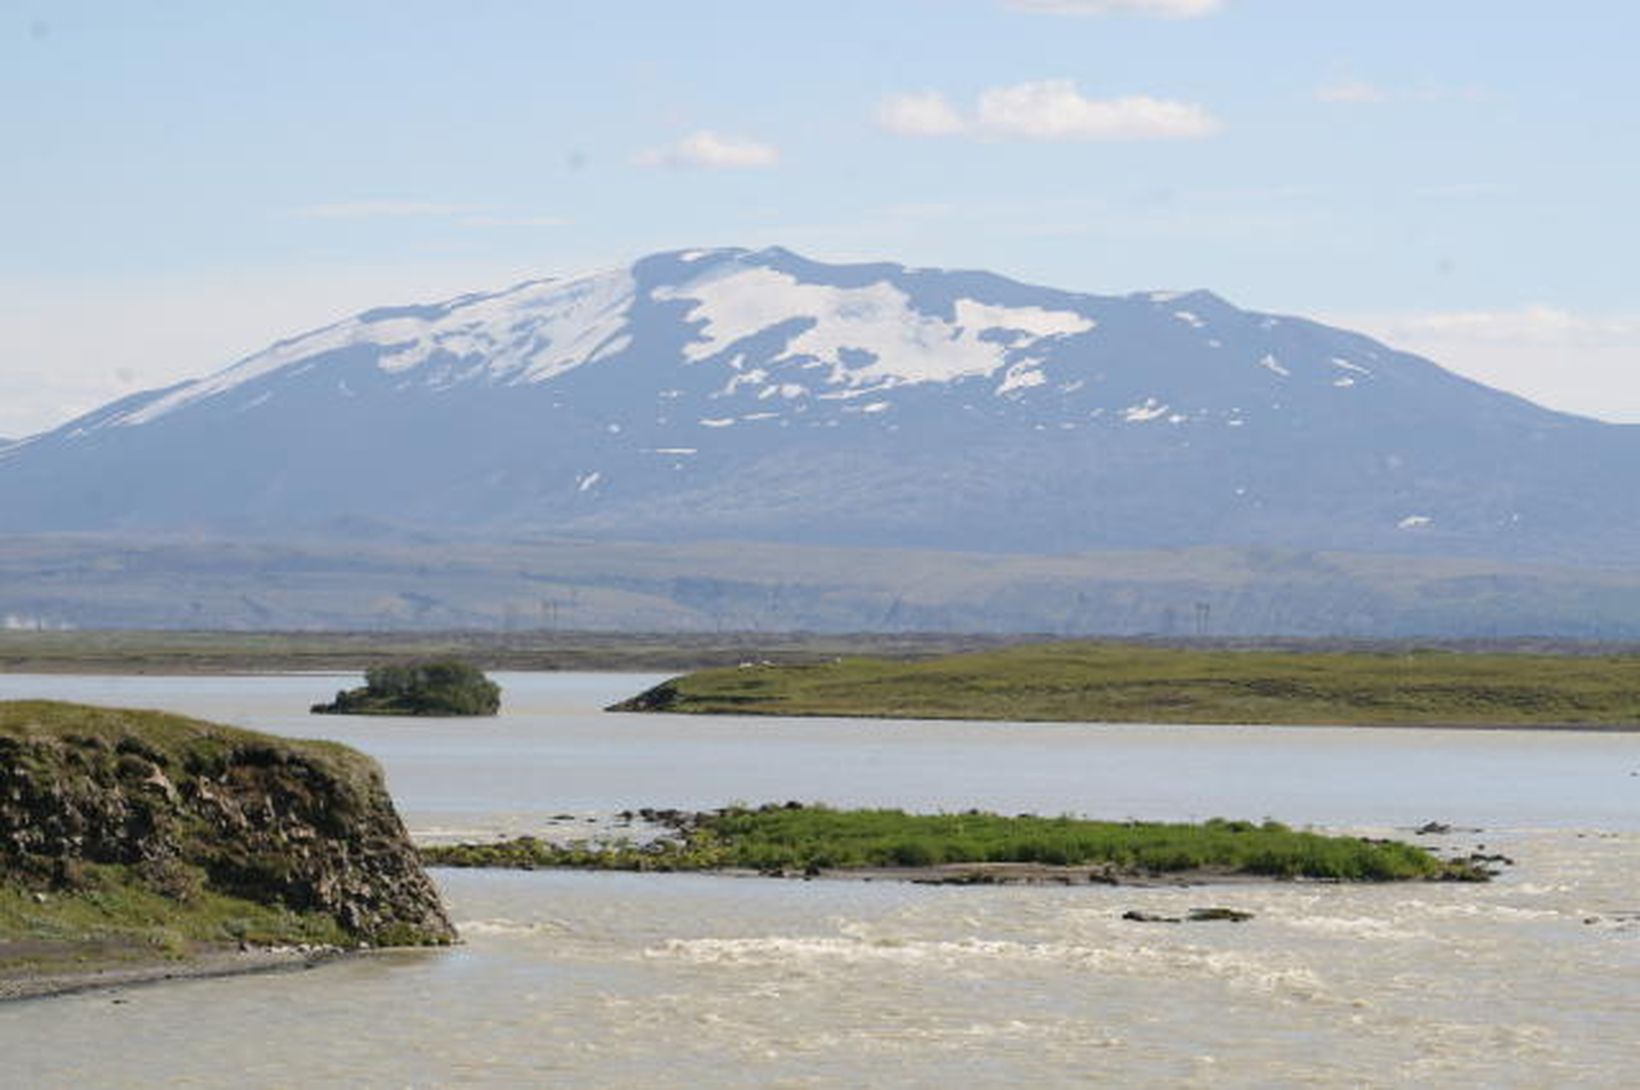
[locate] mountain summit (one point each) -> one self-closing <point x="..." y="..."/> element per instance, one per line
<point x="761" y="396"/>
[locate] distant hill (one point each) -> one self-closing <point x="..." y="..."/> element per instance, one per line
<point x="201" y="582"/>
<point x="760" y="396"/>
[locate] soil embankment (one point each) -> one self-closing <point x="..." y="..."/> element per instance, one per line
<point x="138" y="843"/>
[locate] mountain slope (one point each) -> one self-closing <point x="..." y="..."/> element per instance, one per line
<point x="728" y="394"/>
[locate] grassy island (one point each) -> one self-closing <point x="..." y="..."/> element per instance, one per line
<point x="970" y="847"/>
<point x="431" y="687"/>
<point x="1120" y="683"/>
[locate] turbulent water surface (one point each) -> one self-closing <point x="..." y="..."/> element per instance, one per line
<point x="592" y="980"/>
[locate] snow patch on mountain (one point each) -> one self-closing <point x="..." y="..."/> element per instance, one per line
<point x="868" y="337"/>
<point x="1148" y="409"/>
<point x="529" y="333"/>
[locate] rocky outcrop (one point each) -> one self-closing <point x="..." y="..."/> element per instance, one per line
<point x="183" y="806"/>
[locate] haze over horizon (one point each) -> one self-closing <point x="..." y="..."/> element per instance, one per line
<point x="190" y="183"/>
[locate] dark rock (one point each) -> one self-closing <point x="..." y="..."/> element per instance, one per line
<point x="1209" y="915"/>
<point x="1148" y="917"/>
<point x="662" y="697"/>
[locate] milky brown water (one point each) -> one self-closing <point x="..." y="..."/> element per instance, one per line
<point x="592" y="980"/>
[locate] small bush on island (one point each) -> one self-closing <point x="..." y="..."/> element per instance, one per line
<point x="432" y="687"/>
<point x="791" y="838"/>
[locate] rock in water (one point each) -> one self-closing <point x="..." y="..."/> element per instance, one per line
<point x="164" y="804"/>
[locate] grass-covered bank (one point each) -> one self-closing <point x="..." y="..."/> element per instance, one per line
<point x="1112" y="682"/>
<point x="140" y="835"/>
<point x="814" y="840"/>
<point x="111" y="916"/>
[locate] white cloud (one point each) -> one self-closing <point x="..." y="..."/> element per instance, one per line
<point x="1050" y="109"/>
<point x="925" y="113"/>
<point x="1162" y="9"/>
<point x="1054" y="109"/>
<point x="381" y="209"/>
<point x="1579" y="363"/>
<point x="709" y="149"/>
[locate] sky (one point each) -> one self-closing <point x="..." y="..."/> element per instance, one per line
<point x="184" y="183"/>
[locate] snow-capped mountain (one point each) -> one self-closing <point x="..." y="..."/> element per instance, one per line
<point x="730" y="394"/>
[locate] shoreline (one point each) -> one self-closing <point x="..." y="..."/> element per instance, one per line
<point x="187" y="671"/>
<point x="112" y="975"/>
<point x="976" y="874"/>
<point x="1557" y="728"/>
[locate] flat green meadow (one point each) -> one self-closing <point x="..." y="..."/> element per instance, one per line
<point x="1122" y="683"/>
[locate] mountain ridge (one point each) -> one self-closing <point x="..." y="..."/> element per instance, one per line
<point x="763" y="396"/>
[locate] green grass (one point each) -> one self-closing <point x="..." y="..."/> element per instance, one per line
<point x="176" y="741"/>
<point x="113" y="915"/>
<point x="794" y="838"/>
<point x="1110" y="682"/>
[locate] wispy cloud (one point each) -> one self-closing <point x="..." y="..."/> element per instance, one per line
<point x="463" y="215"/>
<point x="1537" y="324"/>
<point x="711" y="150"/>
<point x="379" y="209"/>
<point x="514" y="221"/>
<point x="923" y="113"/>
<point x="1354" y="90"/>
<point x="1052" y="109"/>
<point x="1161" y="9"/>
<point x="1463" y="191"/>
<point x="1357" y="92"/>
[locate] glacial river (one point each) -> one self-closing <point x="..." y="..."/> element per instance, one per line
<point x="608" y="980"/>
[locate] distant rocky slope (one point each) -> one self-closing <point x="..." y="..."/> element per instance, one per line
<point x="127" y="823"/>
<point x="728" y="394"/>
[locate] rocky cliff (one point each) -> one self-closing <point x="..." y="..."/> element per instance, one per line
<point x="148" y="808"/>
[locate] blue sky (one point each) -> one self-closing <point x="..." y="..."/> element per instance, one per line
<point x="185" y="182"/>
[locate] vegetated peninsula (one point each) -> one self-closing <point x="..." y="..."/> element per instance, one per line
<point x="434" y="687"/>
<point x="971" y="848"/>
<point x="135" y="838"/>
<point x="1116" y="683"/>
